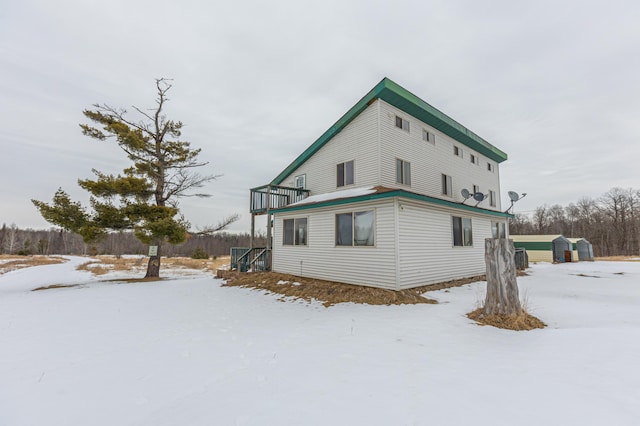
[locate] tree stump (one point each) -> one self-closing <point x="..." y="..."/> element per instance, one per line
<point x="502" y="287"/>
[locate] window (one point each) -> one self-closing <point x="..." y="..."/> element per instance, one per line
<point x="355" y="229"/>
<point x="476" y="188"/>
<point x="300" y="181"/>
<point x="345" y="174"/>
<point x="498" y="230"/>
<point x="403" y="172"/>
<point x="474" y="159"/>
<point x="462" y="233"/>
<point x="294" y="232"/>
<point x="490" y="167"/>
<point x="401" y="123"/>
<point x="457" y="151"/>
<point x="447" y="188"/>
<point x="492" y="198"/>
<point x="428" y="136"/>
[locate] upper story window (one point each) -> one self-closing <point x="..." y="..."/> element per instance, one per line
<point x="492" y="198"/>
<point x="462" y="232"/>
<point x="294" y="232"/>
<point x="427" y="136"/>
<point x="476" y="188"/>
<point x="355" y="228"/>
<point x="447" y="188"/>
<point x="402" y="123"/>
<point x="344" y="174"/>
<point x="473" y="158"/>
<point x="457" y="151"/>
<point x="490" y="167"/>
<point x="403" y="172"/>
<point x="300" y="181"/>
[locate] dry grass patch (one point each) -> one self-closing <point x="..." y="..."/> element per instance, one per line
<point x="524" y="321"/>
<point x="52" y="286"/>
<point x="13" y="262"/>
<point x="619" y="258"/>
<point x="104" y="264"/>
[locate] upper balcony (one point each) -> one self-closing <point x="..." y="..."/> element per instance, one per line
<point x="268" y="197"/>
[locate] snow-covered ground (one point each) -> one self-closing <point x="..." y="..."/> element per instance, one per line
<point x="189" y="352"/>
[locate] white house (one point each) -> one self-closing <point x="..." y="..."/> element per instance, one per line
<point x="377" y="199"/>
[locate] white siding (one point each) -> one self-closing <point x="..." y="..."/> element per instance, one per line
<point x="429" y="161"/>
<point x="370" y="266"/>
<point x="427" y="254"/>
<point x="358" y="141"/>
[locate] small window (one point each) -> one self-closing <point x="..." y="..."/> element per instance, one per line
<point x="498" y="230"/>
<point x="462" y="232"/>
<point x="490" y="167"/>
<point x="457" y="151"/>
<point x="403" y="172"/>
<point x="344" y="174"/>
<point x="473" y="158"/>
<point x="492" y="198"/>
<point x="401" y="123"/>
<point x="294" y="232"/>
<point x="476" y="188"/>
<point x="446" y="185"/>
<point x="428" y="136"/>
<point x="300" y="181"/>
<point x="355" y="229"/>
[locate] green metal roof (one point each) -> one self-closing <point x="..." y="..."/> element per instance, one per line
<point x="391" y="194"/>
<point x="406" y="101"/>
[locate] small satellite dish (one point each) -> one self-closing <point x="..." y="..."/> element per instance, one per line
<point x="514" y="196"/>
<point x="465" y="193"/>
<point x="479" y="196"/>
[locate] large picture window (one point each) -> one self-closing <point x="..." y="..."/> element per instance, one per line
<point x="355" y="228"/>
<point x="462" y="232"/>
<point x="344" y="173"/>
<point x="294" y="232"/>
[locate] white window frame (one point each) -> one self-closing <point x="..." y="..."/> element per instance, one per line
<point x="492" y="198"/>
<point x="447" y="185"/>
<point x="295" y="237"/>
<point x="353" y="242"/>
<point x="476" y="188"/>
<point x="498" y="230"/>
<point x="402" y="123"/>
<point x="300" y="181"/>
<point x="345" y="177"/>
<point x="403" y="172"/>
<point x="427" y="136"/>
<point x="457" y="151"/>
<point x="490" y="167"/>
<point x="463" y="239"/>
<point x="474" y="159"/>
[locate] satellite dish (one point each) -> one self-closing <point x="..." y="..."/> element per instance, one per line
<point x="514" y="196"/>
<point x="465" y="193"/>
<point x="479" y="196"/>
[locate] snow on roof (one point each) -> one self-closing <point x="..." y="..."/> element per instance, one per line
<point x="345" y="193"/>
<point x="534" y="238"/>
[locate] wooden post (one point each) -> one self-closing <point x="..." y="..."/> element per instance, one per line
<point x="253" y="228"/>
<point x="268" y="245"/>
<point x="502" y="287"/>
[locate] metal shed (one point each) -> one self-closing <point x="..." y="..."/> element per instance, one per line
<point x="545" y="248"/>
<point x="582" y="248"/>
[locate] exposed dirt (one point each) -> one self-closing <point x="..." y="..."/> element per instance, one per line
<point x="10" y="262"/>
<point x="522" y="322"/>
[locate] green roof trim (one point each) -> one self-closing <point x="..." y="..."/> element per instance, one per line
<point x="534" y="245"/>
<point x="399" y="97"/>
<point x="391" y="194"/>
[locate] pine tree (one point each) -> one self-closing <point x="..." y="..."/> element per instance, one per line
<point x="144" y="197"/>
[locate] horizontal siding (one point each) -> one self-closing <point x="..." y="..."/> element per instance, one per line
<point x="429" y="161"/>
<point x="358" y="141"/>
<point x="427" y="254"/>
<point x="540" y="256"/>
<point x="370" y="266"/>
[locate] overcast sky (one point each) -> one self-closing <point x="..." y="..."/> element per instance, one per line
<point x="554" y="84"/>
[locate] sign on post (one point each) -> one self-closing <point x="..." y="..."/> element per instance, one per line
<point x="153" y="251"/>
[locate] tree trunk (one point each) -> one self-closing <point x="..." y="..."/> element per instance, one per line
<point x="502" y="287"/>
<point x="153" y="267"/>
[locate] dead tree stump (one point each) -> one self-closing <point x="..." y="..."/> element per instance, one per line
<point x="502" y="287"/>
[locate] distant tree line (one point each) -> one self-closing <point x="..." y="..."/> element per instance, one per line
<point x="610" y="223"/>
<point x="14" y="240"/>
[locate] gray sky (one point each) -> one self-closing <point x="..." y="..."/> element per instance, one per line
<point x="555" y="84"/>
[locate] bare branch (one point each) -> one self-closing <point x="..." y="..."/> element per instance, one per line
<point x="210" y="229"/>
